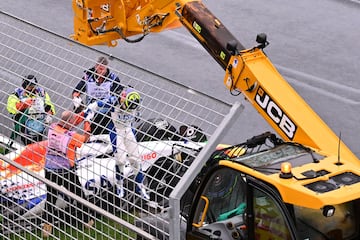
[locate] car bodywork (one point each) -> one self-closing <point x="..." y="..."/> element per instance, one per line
<point x="23" y="196"/>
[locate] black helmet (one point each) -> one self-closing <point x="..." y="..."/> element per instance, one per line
<point x="29" y="80"/>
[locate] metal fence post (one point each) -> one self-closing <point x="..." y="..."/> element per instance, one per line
<point x="192" y="172"/>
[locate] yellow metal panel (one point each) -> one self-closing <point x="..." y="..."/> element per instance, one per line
<point x="280" y="105"/>
<point x="293" y="191"/>
<point x="98" y="22"/>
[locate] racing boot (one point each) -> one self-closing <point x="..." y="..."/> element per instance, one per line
<point x="119" y="182"/>
<point x="140" y="188"/>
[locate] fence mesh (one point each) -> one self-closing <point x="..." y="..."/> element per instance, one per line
<point x="173" y="127"/>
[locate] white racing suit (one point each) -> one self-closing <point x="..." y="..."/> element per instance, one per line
<point x="127" y="148"/>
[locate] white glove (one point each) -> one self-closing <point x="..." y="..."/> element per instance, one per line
<point x="48" y="119"/>
<point x="92" y="107"/>
<point x="77" y="102"/>
<point x="90" y="111"/>
<point x="89" y="114"/>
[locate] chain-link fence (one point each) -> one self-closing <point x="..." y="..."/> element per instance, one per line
<point x="173" y="125"/>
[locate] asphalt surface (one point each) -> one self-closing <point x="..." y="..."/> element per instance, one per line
<point x="314" y="44"/>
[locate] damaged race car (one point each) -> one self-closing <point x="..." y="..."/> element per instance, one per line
<point x="166" y="153"/>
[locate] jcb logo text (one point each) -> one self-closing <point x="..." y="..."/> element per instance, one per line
<point x="275" y="113"/>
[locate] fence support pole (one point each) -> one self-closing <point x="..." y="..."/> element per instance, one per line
<point x="196" y="166"/>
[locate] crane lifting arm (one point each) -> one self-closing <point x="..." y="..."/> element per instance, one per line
<point x="248" y="71"/>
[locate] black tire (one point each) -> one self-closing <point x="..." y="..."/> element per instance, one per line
<point x="164" y="175"/>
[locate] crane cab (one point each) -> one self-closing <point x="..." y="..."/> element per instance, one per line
<point x="247" y="196"/>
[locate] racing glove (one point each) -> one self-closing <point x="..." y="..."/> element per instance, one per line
<point x="90" y="110"/>
<point x="92" y="107"/>
<point x="89" y="114"/>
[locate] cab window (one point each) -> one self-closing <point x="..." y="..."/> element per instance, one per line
<point x="221" y="211"/>
<point x="226" y="195"/>
<point x="269" y="222"/>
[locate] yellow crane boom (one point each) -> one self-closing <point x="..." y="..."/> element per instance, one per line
<point x="248" y="71"/>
